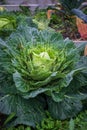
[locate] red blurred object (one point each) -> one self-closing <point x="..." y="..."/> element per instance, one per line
<point x="82" y="28"/>
<point x="49" y="13"/>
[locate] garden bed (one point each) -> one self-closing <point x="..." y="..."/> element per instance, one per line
<point x="43" y="76"/>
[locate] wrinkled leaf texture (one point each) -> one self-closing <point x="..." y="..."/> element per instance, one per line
<point x="61" y="96"/>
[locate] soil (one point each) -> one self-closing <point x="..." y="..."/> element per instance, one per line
<point x="2" y="119"/>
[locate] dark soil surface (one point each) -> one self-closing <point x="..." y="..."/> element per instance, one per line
<point x="2" y="119"/>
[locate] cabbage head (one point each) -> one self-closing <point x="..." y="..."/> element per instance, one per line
<point x="40" y="60"/>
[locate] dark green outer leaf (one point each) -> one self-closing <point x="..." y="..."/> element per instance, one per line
<point x="6" y="83"/>
<point x="82" y="62"/>
<point x="34" y="93"/>
<point x="23" y="87"/>
<point x="77" y="96"/>
<point x="30" y="36"/>
<point x="57" y="97"/>
<point x="69" y="76"/>
<point x="67" y="108"/>
<point x="28" y="112"/>
<point x="20" y="83"/>
<point x="80" y="47"/>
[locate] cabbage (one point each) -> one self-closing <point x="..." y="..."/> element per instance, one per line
<point x="9" y="21"/>
<point x="42" y="63"/>
<point x="34" y="64"/>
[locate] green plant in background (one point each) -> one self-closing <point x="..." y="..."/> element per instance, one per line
<point x="40" y="14"/>
<point x="62" y="23"/>
<point x="25" y="10"/>
<point x="73" y="7"/>
<point x="78" y="123"/>
<point x="40" y="71"/>
<point x="81" y="121"/>
<point x="65" y="18"/>
<point x="50" y="124"/>
<point x="40" y="18"/>
<point x="21" y="127"/>
<point x="7" y="24"/>
<point x="68" y="5"/>
<point x="9" y="21"/>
